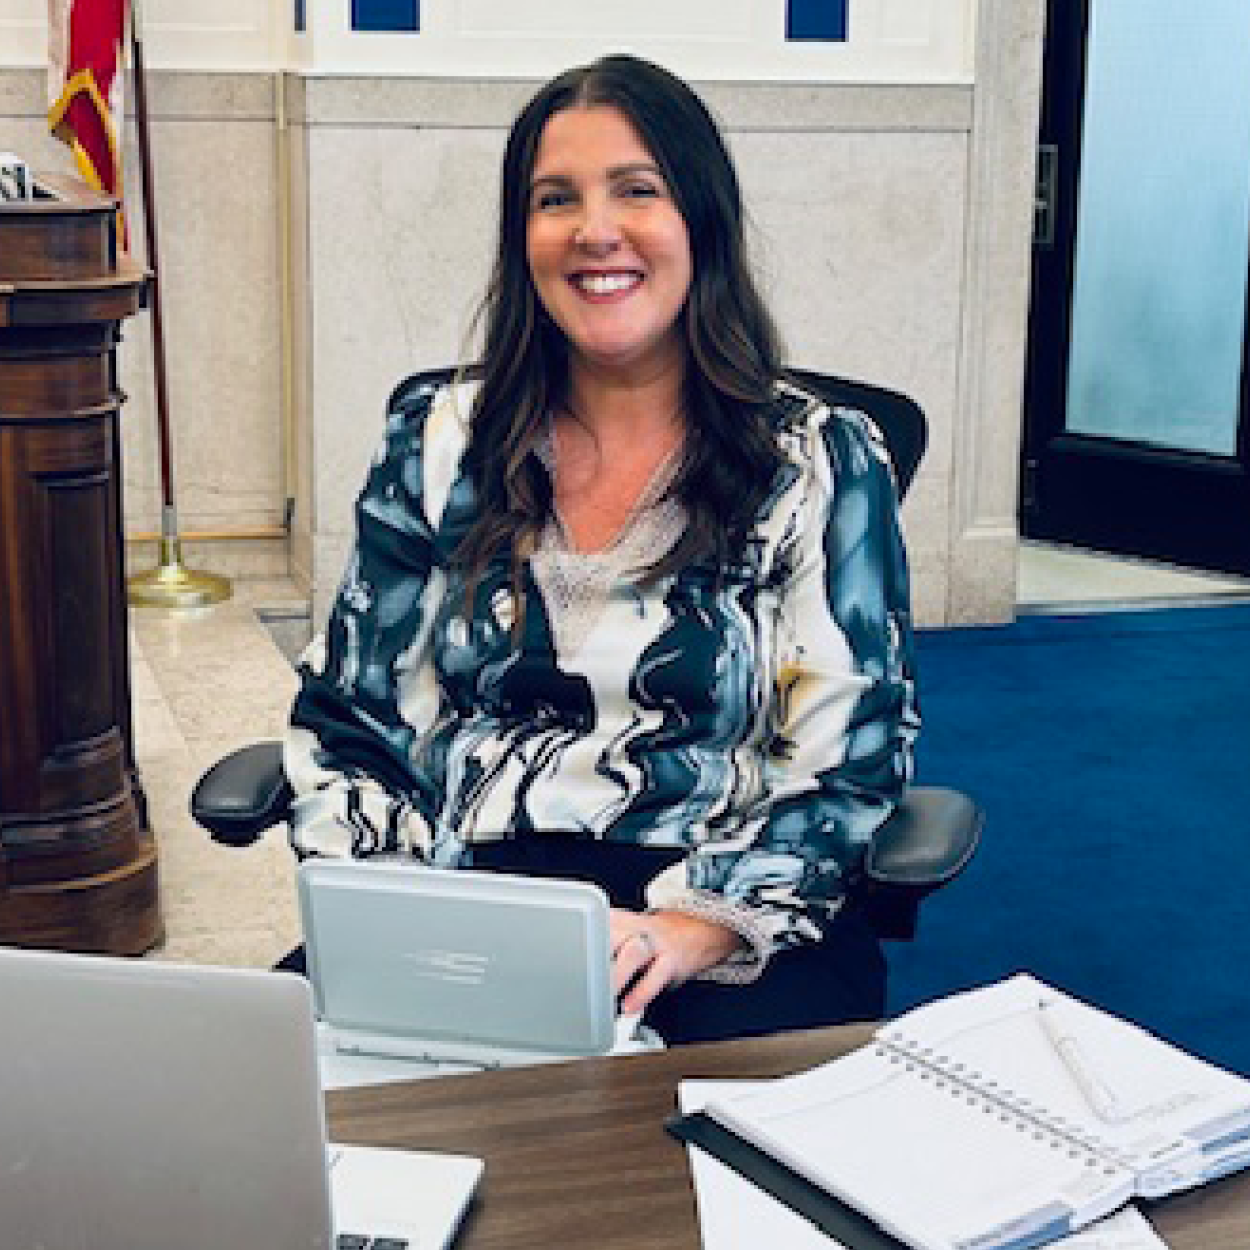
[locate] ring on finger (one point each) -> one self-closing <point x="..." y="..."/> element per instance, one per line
<point x="648" y="943"/>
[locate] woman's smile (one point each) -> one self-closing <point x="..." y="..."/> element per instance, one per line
<point x="598" y="285"/>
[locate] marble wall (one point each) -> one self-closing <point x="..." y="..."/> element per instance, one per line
<point x="348" y="219"/>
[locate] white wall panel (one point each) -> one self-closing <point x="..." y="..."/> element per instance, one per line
<point x="627" y="19"/>
<point x="180" y="34"/>
<point x="217" y="34"/>
<point x="23" y="32"/>
<point x="891" y="41"/>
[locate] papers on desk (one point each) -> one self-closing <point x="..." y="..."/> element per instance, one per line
<point x="735" y="1214"/>
<point x="1127" y="1229"/>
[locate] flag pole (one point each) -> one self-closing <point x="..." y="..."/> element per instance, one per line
<point x="171" y="584"/>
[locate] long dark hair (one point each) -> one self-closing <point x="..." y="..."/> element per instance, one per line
<point x="732" y="346"/>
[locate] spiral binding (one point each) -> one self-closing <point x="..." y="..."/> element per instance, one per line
<point x="964" y="1081"/>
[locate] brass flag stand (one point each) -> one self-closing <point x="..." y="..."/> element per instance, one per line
<point x="171" y="584"/>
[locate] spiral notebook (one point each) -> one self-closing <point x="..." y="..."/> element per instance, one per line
<point x="735" y="1214"/>
<point x="998" y="1119"/>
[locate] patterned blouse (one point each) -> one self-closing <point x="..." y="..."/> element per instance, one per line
<point x="763" y="720"/>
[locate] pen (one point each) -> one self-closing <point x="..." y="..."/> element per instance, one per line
<point x="1101" y="1099"/>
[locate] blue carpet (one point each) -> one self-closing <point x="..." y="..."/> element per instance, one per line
<point x="1112" y="756"/>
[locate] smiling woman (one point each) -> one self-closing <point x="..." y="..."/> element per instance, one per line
<point x="607" y="248"/>
<point x="643" y="618"/>
<point x="615" y="173"/>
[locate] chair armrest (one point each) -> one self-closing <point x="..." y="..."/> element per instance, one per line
<point x="928" y="841"/>
<point x="243" y="794"/>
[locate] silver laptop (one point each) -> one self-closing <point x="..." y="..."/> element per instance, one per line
<point x="441" y="968"/>
<point x="147" y="1105"/>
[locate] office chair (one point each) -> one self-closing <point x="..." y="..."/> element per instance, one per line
<point x="927" y="841"/>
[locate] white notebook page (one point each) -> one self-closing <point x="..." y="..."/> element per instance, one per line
<point x="1166" y="1101"/>
<point x="932" y="1166"/>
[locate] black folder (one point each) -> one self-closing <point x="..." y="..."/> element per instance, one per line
<point x="831" y="1215"/>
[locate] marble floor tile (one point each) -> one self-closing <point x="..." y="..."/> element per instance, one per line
<point x="1056" y="578"/>
<point x="203" y="683"/>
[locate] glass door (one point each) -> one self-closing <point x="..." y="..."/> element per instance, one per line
<point x="1135" y="429"/>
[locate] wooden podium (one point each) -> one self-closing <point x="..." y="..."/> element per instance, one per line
<point x="77" y="861"/>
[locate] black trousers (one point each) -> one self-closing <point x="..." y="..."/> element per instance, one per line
<point x="839" y="979"/>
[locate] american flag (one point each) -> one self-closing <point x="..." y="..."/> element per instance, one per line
<point x="85" y="85"/>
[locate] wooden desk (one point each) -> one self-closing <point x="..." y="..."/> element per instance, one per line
<point x="576" y="1154"/>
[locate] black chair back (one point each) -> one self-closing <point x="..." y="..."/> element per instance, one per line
<point x="900" y="420"/>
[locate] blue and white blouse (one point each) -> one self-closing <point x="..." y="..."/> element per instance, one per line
<point x="763" y="720"/>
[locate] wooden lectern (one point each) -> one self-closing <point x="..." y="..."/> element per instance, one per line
<point x="77" y="861"/>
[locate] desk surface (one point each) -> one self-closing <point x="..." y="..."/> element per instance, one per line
<point x="576" y="1153"/>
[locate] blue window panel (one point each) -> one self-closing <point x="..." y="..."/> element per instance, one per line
<point x="816" y="19"/>
<point x="386" y="15"/>
<point x="301" y="15"/>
